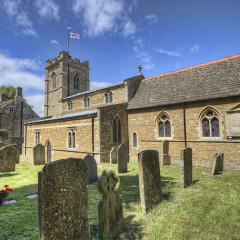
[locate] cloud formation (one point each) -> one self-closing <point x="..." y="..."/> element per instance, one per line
<point x="151" y="18"/>
<point x="103" y="16"/>
<point x="170" y="53"/>
<point x="54" y="42"/>
<point x="195" y="48"/>
<point x="17" y="72"/>
<point x="47" y="9"/>
<point x="13" y="10"/>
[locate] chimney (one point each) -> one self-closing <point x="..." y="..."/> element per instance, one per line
<point x="3" y="97"/>
<point x="19" y="92"/>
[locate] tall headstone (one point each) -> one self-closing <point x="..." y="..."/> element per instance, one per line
<point x="39" y="154"/>
<point x="122" y="158"/>
<point x="63" y="200"/>
<point x="8" y="158"/>
<point x="149" y="179"/>
<point x="17" y="152"/>
<point x="113" y="155"/>
<point x="110" y="208"/>
<point x="217" y="163"/>
<point x="186" y="167"/>
<point x="166" y="160"/>
<point x="92" y="168"/>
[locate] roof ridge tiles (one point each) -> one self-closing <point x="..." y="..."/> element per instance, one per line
<point x="192" y="66"/>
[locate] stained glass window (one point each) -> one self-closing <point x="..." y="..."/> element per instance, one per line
<point x="215" y="127"/>
<point x="161" y="129"/>
<point x="205" y="127"/>
<point x="168" y="129"/>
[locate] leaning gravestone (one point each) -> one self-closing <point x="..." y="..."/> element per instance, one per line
<point x="8" y="156"/>
<point x="149" y="179"/>
<point x="92" y="168"/>
<point x="166" y="160"/>
<point x="63" y="200"/>
<point x="113" y="155"/>
<point x="186" y="167"/>
<point x="110" y="208"/>
<point x="217" y="163"/>
<point x="122" y="158"/>
<point x="39" y="154"/>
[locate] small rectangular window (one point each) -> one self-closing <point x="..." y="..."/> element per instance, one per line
<point x="11" y="109"/>
<point x="25" y="111"/>
<point x="37" y="137"/>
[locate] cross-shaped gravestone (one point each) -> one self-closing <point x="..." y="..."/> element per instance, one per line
<point x="110" y="209"/>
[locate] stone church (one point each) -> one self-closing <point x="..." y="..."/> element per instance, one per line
<point x="198" y="107"/>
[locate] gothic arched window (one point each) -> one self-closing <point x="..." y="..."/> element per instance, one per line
<point x="164" y="125"/>
<point x="54" y="80"/>
<point x="71" y="138"/>
<point x="210" y="123"/>
<point x="76" y="81"/>
<point x="117" y="130"/>
<point x="109" y="97"/>
<point x="70" y="105"/>
<point x="87" y="102"/>
<point x="134" y="140"/>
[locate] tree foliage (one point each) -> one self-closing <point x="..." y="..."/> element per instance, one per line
<point x="10" y="91"/>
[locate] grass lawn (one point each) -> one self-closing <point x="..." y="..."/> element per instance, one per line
<point x="209" y="209"/>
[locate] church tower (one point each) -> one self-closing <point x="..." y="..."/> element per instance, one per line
<point x="64" y="77"/>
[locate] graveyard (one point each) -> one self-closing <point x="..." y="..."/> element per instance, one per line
<point x="208" y="209"/>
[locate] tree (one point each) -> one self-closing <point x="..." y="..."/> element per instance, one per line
<point x="10" y="91"/>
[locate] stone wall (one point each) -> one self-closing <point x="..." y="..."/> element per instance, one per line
<point x="143" y="122"/>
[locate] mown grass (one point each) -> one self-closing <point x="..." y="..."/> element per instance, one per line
<point x="209" y="209"/>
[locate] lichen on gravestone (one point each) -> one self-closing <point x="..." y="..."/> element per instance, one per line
<point x="110" y="208"/>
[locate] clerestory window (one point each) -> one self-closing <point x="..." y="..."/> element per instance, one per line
<point x="109" y="97"/>
<point x="87" y="102"/>
<point x="70" y="105"/>
<point x="71" y="138"/>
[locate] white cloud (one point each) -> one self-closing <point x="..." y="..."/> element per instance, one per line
<point x="102" y="16"/>
<point x="47" y="9"/>
<point x="148" y="66"/>
<point x="13" y="10"/>
<point x="195" y="48"/>
<point x="129" y="28"/>
<point x="16" y="72"/>
<point x="151" y="18"/>
<point x="54" y="42"/>
<point x="170" y="53"/>
<point x="95" y="85"/>
<point x="36" y="100"/>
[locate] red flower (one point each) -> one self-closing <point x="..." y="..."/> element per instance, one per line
<point x="7" y="189"/>
<point x="10" y="189"/>
<point x="3" y="191"/>
<point x="6" y="186"/>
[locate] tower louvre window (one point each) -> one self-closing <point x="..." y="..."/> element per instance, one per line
<point x="76" y="82"/>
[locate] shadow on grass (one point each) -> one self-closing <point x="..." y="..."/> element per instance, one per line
<point x="2" y="175"/>
<point x="23" y="192"/>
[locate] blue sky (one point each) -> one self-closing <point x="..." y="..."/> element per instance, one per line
<point x="115" y="37"/>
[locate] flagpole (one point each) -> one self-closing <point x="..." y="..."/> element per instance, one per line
<point x="68" y="39"/>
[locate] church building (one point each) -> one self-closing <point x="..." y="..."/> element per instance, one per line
<point x="197" y="107"/>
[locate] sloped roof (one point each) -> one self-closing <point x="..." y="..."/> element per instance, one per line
<point x="3" y="104"/>
<point x="217" y="79"/>
<point x="66" y="116"/>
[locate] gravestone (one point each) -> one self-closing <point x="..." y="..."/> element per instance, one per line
<point x="110" y="208"/>
<point x="122" y="158"/>
<point x="186" y="168"/>
<point x="149" y="179"/>
<point x="166" y="160"/>
<point x="63" y="200"/>
<point x="17" y="155"/>
<point x="217" y="163"/>
<point x="8" y="158"/>
<point x="92" y="168"/>
<point x="113" y="155"/>
<point x="39" y="154"/>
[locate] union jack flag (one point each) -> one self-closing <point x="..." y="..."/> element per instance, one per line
<point x="74" y="35"/>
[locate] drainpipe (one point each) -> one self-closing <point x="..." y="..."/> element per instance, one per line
<point x="184" y="122"/>
<point x="93" y="136"/>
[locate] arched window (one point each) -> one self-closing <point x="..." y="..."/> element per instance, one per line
<point x="164" y="125"/>
<point x="76" y="81"/>
<point x="117" y="130"/>
<point x="71" y="138"/>
<point x="209" y="120"/>
<point x="134" y="140"/>
<point x="54" y="79"/>
<point x="87" y="102"/>
<point x="70" y="105"/>
<point x="109" y="97"/>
